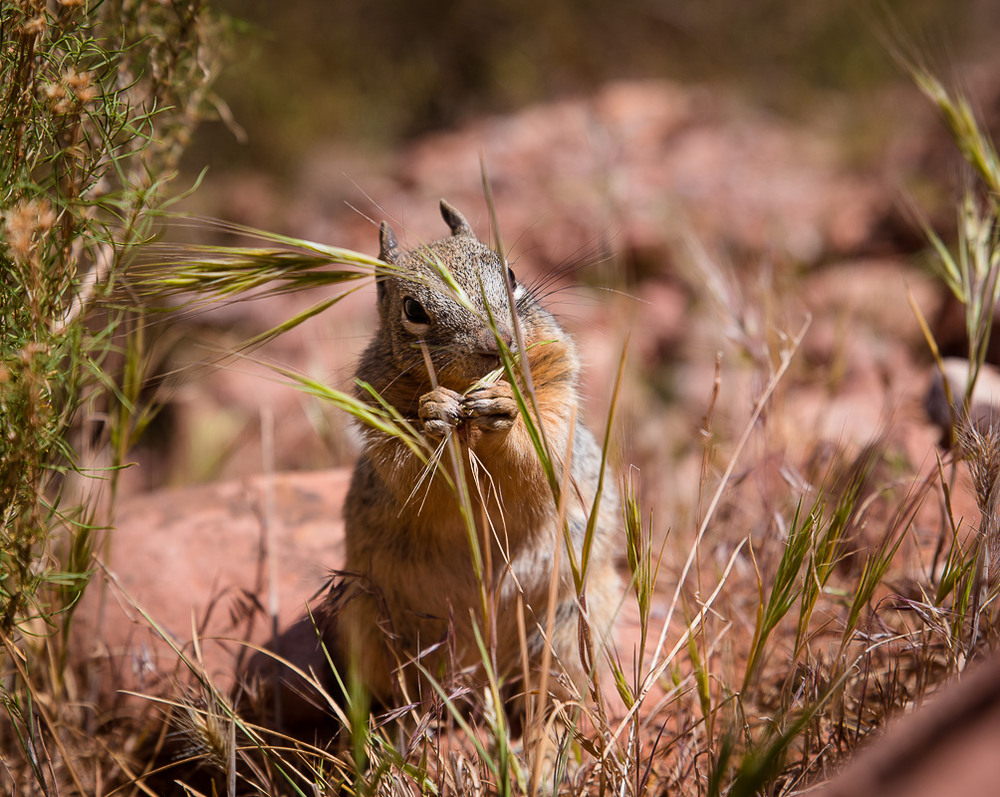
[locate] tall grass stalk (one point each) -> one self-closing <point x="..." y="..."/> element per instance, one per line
<point x="970" y="269"/>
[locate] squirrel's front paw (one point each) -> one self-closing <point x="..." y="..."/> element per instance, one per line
<point x="440" y="411"/>
<point x="492" y="408"/>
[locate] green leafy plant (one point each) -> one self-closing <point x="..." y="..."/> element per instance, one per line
<point x="96" y="104"/>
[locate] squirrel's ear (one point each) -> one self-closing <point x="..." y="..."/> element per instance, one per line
<point x="388" y="248"/>
<point x="388" y="252"/>
<point x="455" y="220"/>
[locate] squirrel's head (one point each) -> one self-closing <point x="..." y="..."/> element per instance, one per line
<point x="418" y="308"/>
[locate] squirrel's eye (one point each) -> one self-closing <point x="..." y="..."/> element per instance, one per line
<point x="516" y="287"/>
<point x="414" y="311"/>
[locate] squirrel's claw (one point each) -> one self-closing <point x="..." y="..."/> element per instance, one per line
<point x="492" y="408"/>
<point x="440" y="411"/>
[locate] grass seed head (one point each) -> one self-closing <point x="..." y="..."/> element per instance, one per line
<point x="980" y="443"/>
<point x="206" y="733"/>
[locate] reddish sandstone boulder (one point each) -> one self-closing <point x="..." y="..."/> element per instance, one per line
<point x="211" y="562"/>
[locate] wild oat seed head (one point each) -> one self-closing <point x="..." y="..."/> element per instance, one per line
<point x="206" y="732"/>
<point x="980" y="444"/>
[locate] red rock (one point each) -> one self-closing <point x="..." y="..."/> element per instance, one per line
<point x="198" y="558"/>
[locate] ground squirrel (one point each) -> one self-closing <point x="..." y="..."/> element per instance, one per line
<point x="407" y="542"/>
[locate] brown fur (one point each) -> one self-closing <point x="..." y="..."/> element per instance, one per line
<point x="415" y="586"/>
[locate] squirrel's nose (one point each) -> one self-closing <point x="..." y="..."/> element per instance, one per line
<point x="487" y="342"/>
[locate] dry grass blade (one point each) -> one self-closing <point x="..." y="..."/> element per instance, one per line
<point x="972" y="271"/>
<point x="786" y="358"/>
